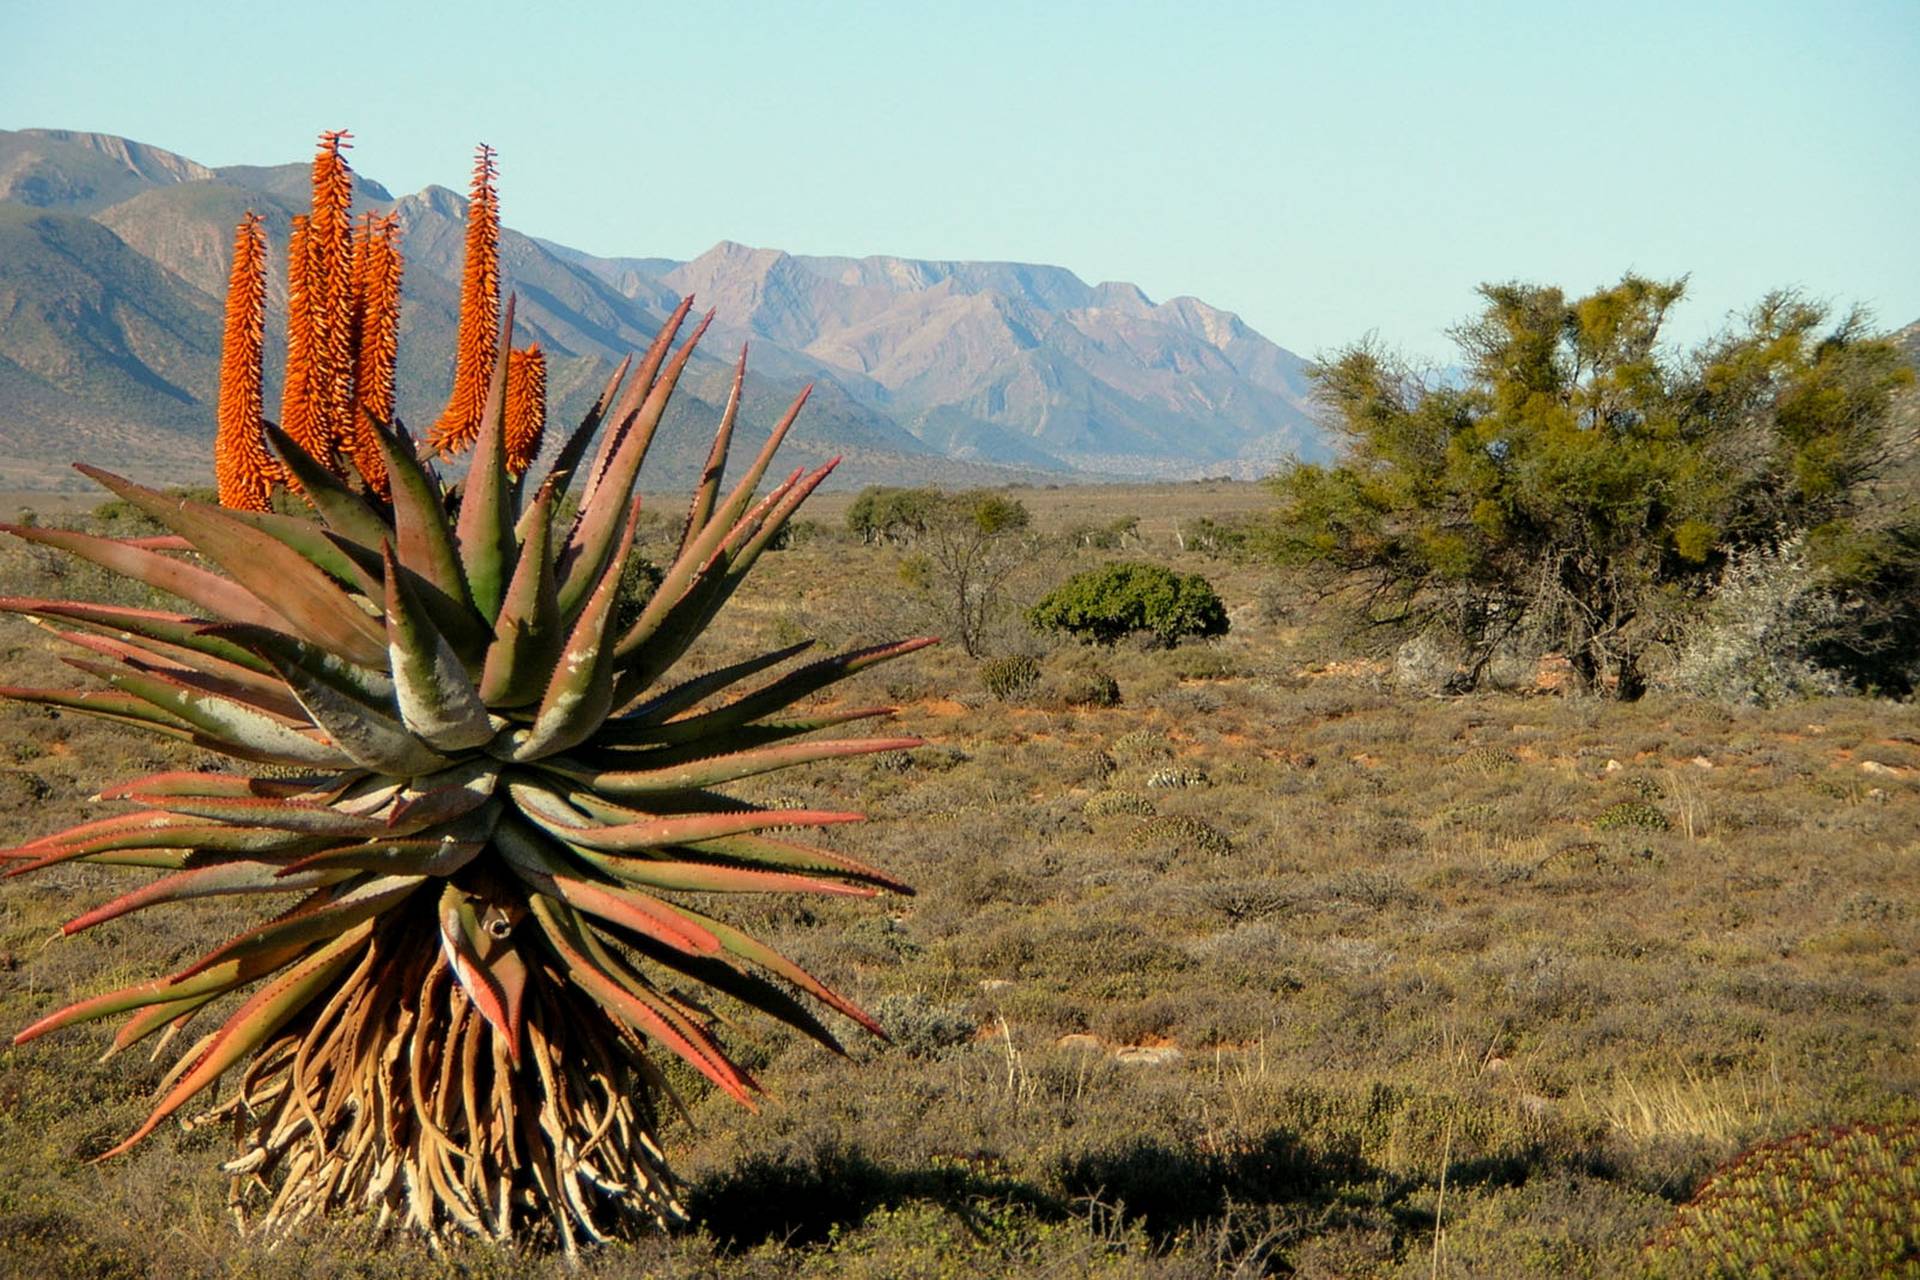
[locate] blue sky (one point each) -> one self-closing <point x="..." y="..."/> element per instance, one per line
<point x="1324" y="170"/>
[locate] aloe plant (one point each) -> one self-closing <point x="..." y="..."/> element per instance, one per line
<point x="488" y="800"/>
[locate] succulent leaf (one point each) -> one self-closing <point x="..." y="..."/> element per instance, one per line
<point x="438" y="703"/>
<point x="485" y="529"/>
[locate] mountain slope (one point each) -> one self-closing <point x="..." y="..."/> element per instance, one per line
<point x="102" y="352"/>
<point x="981" y="368"/>
<point x="82" y="172"/>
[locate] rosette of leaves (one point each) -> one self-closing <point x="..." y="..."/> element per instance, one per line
<point x="488" y="796"/>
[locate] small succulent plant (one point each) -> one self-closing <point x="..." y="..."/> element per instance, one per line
<point x="1830" y="1201"/>
<point x="487" y="795"/>
<point x="1632" y="815"/>
<point x="1182" y="834"/>
<point x="1112" y="804"/>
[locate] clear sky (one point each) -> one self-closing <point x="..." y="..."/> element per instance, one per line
<point x="1324" y="170"/>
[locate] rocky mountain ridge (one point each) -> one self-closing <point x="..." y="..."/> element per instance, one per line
<point x="113" y="258"/>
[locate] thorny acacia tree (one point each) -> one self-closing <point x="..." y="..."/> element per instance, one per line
<point x="969" y="545"/>
<point x="488" y="793"/>
<point x="1582" y="483"/>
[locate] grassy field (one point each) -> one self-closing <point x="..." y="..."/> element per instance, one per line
<point x="1265" y="969"/>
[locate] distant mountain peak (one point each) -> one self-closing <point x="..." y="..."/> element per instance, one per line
<point x="920" y="364"/>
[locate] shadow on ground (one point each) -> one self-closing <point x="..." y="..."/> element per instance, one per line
<point x="1169" y="1191"/>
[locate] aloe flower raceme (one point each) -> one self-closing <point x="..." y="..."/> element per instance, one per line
<point x="487" y="799"/>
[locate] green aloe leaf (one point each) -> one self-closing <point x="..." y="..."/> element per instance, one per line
<point x="325" y="551"/>
<point x="627" y="997"/>
<point x="628" y="409"/>
<point x="692" y="771"/>
<point x="781" y="694"/>
<point x="153" y="1017"/>
<point x="222" y="597"/>
<point x="773" y="852"/>
<point x="528" y="634"/>
<point x="314" y="606"/>
<point x="601" y="512"/>
<point x="556" y="874"/>
<point x="422" y="540"/>
<point x="123" y="708"/>
<point x="746" y="947"/>
<point x="328" y="914"/>
<point x="364" y="734"/>
<point x="706" y="490"/>
<point x="251" y="1024"/>
<point x="220" y="880"/>
<point x="228" y="721"/>
<point x="191" y="667"/>
<point x="344" y="511"/>
<point x="575" y="448"/>
<point x="405" y="856"/>
<point x="580" y="693"/>
<point x="191" y="782"/>
<point x="552" y="812"/>
<point x="164" y="831"/>
<point x="208" y="982"/>
<point x="485" y="530"/>
<point x="153" y="624"/>
<point x="710" y="877"/>
<point x="437" y="701"/>
<point x="690" y="693"/>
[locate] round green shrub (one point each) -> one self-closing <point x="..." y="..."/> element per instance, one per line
<point x="1106" y="604"/>
<point x="1830" y="1202"/>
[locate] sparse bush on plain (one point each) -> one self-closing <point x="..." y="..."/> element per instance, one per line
<point x="1107" y="604"/>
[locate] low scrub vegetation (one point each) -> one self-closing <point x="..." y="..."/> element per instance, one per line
<point x="1256" y="965"/>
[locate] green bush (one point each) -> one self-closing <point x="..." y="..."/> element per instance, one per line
<point x="1103" y="605"/>
<point x="881" y="514"/>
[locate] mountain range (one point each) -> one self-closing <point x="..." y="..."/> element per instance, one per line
<point x="114" y="256"/>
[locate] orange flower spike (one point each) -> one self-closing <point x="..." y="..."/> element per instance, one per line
<point x="377" y="268"/>
<point x="296" y="407"/>
<point x="526" y="405"/>
<point x="479" y="314"/>
<point x="243" y="469"/>
<point x="330" y="294"/>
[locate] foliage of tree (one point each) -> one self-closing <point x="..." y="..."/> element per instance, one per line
<point x="970" y="544"/>
<point x="1584" y="485"/>
<point x="883" y="514"/>
<point x="1106" y="604"/>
